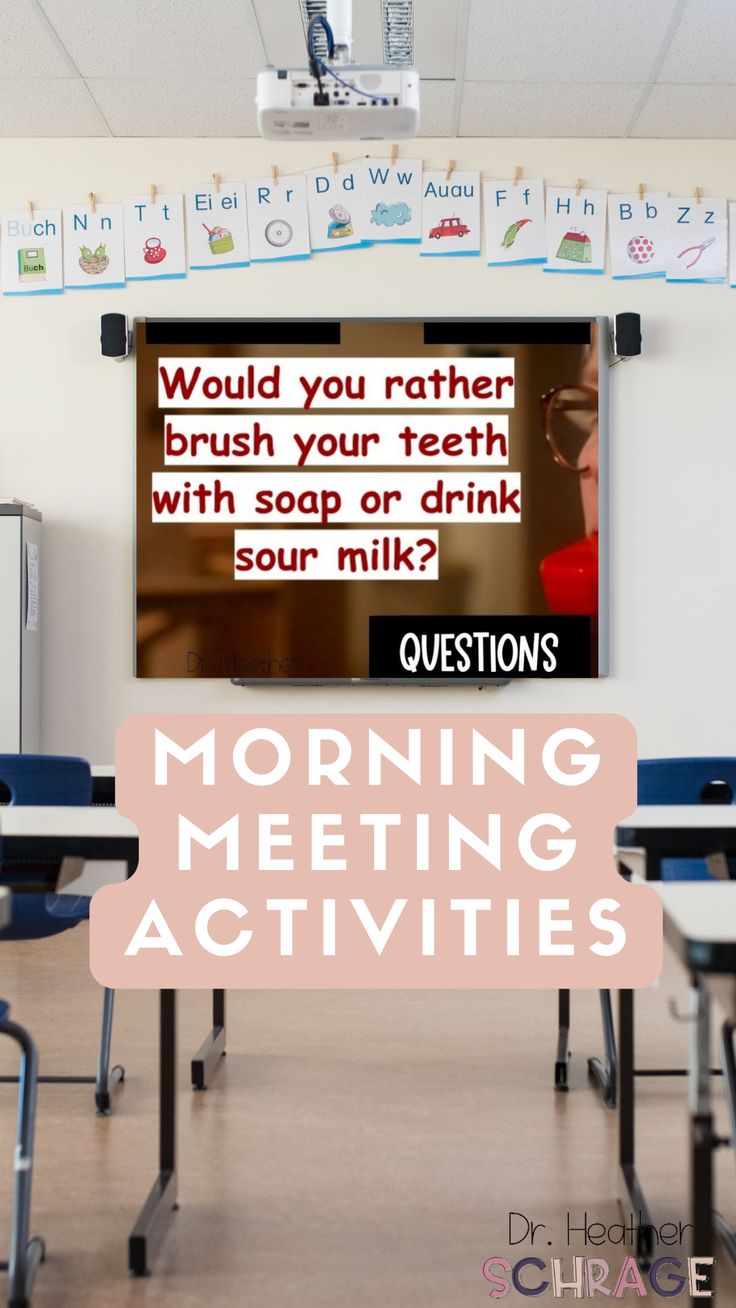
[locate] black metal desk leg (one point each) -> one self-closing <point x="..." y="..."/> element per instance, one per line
<point x="627" y="1129"/>
<point x="209" y="1054"/>
<point x="563" y="1033"/>
<point x="150" y="1228"/>
<point x="722" y="1228"/>
<point x="702" y="1141"/>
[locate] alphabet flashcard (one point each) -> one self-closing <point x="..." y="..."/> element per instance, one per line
<point x="32" y="252"/>
<point x="576" y="230"/>
<point x="513" y="219"/>
<point x="450" y="213"/>
<point x="278" y="220"/>
<point x="94" y="246"/>
<point x="638" y="229"/>
<point x="732" y="243"/>
<point x="392" y="201"/>
<point x="333" y="201"/>
<point x="217" y="226"/>
<point x="697" y="239"/>
<point x="154" y="237"/>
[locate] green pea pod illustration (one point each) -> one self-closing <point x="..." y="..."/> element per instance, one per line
<point x="512" y="232"/>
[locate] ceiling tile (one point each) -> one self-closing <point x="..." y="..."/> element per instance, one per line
<point x="703" y="48"/>
<point x="695" y="112"/>
<point x="157" y="108"/>
<point x="49" y="107"/>
<point x="565" y="40"/>
<point x="216" y="39"/>
<point x="438" y="100"/>
<point x="546" y="110"/>
<point x="27" y="38"/>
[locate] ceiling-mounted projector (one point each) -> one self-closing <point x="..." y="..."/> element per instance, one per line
<point x="335" y="98"/>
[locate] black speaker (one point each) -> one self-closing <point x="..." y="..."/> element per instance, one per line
<point x="115" y="339"/>
<point x="627" y="335"/>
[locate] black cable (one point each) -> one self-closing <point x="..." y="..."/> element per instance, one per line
<point x="318" y="67"/>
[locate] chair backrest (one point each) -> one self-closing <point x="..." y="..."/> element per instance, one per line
<point x="45" y="779"/>
<point x="42" y="779"/>
<point x="687" y="781"/>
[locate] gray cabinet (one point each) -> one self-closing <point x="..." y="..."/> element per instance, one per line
<point x="20" y="628"/>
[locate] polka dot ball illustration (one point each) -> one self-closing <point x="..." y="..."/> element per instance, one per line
<point x="640" y="249"/>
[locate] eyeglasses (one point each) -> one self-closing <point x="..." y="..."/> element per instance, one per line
<point x="569" y="414"/>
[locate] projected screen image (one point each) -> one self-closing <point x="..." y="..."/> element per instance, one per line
<point x="388" y="500"/>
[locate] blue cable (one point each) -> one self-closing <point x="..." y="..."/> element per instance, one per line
<point x="319" y="20"/>
<point x="318" y="65"/>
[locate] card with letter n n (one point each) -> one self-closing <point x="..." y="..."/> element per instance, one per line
<point x="697" y="239"/>
<point x="576" y="230"/>
<point x="637" y="234"/>
<point x="217" y="226"/>
<point x="31" y="252"/>
<point x="513" y="221"/>
<point x="94" y="246"/>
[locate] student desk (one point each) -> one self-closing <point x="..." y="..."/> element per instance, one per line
<point x="700" y="925"/>
<point x="102" y="834"/>
<point x="653" y="834"/>
<point x="211" y="1050"/>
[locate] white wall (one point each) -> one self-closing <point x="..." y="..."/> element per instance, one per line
<point x="67" y="438"/>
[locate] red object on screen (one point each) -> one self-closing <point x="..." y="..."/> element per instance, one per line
<point x="570" y="577"/>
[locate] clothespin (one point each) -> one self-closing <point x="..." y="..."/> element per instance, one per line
<point x="152" y="193"/>
<point x="450" y="168"/>
<point x="335" y="160"/>
<point x="578" y="187"/>
<point x="30" y="210"/>
<point x="641" y="190"/>
<point x="92" y="202"/>
<point x="394" y="154"/>
<point x="696" y="193"/>
<point x="274" y="174"/>
<point x="216" y="179"/>
<point x="518" y="170"/>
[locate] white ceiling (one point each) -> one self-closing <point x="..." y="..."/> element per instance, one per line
<point x="641" y="68"/>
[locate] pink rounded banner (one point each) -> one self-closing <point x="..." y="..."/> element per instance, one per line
<point x="376" y="851"/>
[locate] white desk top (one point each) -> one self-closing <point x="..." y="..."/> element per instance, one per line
<point x="86" y="821"/>
<point x="103" y="769"/>
<point x="690" y="816"/>
<point x="700" y="910"/>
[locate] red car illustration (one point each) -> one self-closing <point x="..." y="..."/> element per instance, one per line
<point x="450" y="227"/>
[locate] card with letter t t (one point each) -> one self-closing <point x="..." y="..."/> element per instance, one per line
<point x="154" y="237"/>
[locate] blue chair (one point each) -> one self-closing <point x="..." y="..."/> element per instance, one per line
<point x="41" y="779"/>
<point x="659" y="781"/>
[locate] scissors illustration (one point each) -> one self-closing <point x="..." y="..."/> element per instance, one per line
<point x="700" y="249"/>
